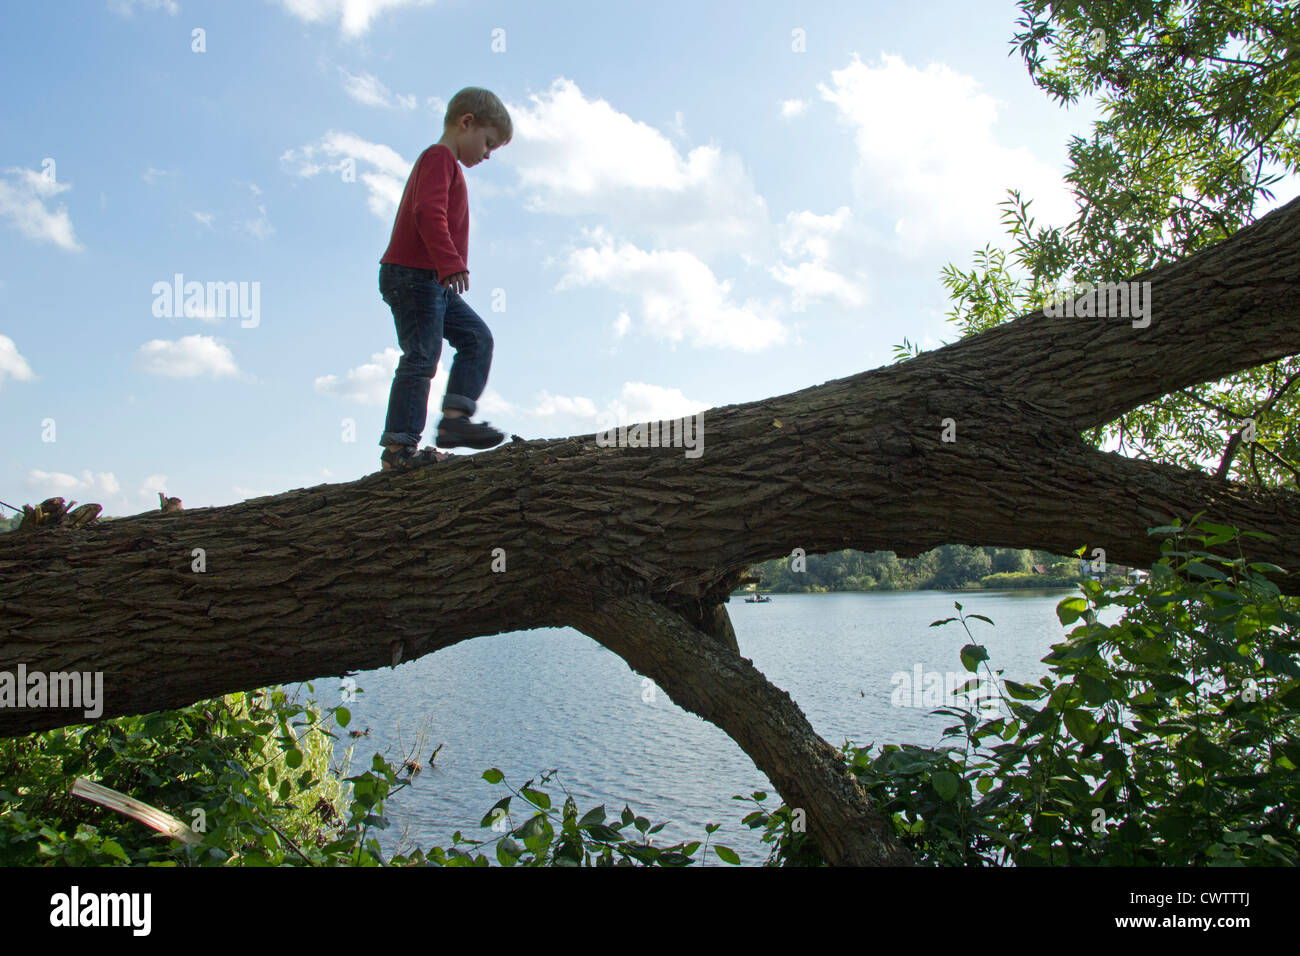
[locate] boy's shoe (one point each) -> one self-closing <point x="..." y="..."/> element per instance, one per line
<point x="455" y="432"/>
<point x="407" y="457"/>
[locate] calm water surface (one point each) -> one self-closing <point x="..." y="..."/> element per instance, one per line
<point x="532" y="701"/>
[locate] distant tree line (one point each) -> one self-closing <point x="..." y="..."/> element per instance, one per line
<point x="945" y="567"/>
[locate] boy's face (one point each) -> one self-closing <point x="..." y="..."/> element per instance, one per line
<point x="474" y="144"/>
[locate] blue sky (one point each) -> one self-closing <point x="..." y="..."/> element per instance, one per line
<point x="703" y="204"/>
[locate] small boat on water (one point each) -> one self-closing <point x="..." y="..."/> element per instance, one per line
<point x="757" y="598"/>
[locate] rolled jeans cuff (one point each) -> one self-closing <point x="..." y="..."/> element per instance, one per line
<point x="460" y="403"/>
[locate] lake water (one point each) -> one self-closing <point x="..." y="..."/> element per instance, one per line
<point x="532" y="701"/>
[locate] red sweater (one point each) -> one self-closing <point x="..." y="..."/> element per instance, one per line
<point x="432" y="226"/>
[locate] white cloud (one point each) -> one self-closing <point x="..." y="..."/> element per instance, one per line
<point x="491" y="402"/>
<point x="680" y="297"/>
<point x="192" y="356"/>
<point x="793" y="107"/>
<point x="337" y="152"/>
<point x="90" y="483"/>
<point x="204" y="217"/>
<point x="152" y="175"/>
<point x="641" y="402"/>
<point x="354" y="16"/>
<point x="22" y="202"/>
<point x="366" y="88"/>
<point x="260" y="227"/>
<point x="582" y="157"/>
<point x="814" y="238"/>
<point x="368" y="383"/>
<point x="12" y="363"/>
<point x="551" y="406"/>
<point x="127" y="8"/>
<point x="928" y="155"/>
<point x="636" y="402"/>
<point x="150" y="487"/>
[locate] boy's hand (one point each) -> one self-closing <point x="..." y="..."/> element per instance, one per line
<point x="457" y="282"/>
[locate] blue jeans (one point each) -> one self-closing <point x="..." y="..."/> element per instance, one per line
<point x="425" y="313"/>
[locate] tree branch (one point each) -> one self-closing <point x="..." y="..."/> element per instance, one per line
<point x="727" y="690"/>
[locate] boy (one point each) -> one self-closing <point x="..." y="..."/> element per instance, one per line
<point x="421" y="276"/>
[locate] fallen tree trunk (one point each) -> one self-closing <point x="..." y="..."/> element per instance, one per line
<point x="976" y="443"/>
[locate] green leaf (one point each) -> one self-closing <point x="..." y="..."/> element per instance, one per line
<point x="1095" y="691"/>
<point x="945" y="784"/>
<point x="293" y="758"/>
<point x="1202" y="570"/>
<point x="1217" y="528"/>
<point x="1071" y="609"/>
<point x="343" y="716"/>
<point x="727" y="854"/>
<point x="603" y="833"/>
<point x="1166" y="528"/>
<point x="1280" y="663"/>
<point x="1021" y="691"/>
<point x="972" y="654"/>
<point x="533" y="826"/>
<point x="1081" y="726"/>
<point x="592" y="817"/>
<point x="493" y="776"/>
<point x="509" y="852"/>
<point x="492" y="816"/>
<point x="536" y="797"/>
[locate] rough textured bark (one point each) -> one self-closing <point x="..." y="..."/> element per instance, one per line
<point x="639" y="547"/>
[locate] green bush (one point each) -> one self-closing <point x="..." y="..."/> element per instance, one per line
<point x="1168" y="738"/>
<point x="249" y="773"/>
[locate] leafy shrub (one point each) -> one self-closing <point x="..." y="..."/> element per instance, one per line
<point x="1168" y="738"/>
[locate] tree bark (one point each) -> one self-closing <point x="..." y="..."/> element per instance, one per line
<point x="639" y="547"/>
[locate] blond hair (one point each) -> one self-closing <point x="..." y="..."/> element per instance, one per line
<point x="487" y="110"/>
